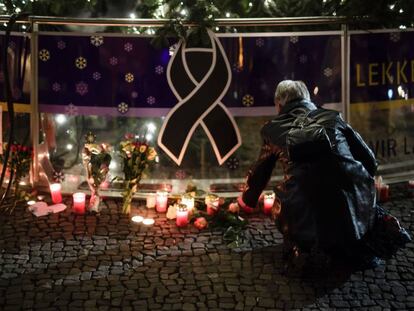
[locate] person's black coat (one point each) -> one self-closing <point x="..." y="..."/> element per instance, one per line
<point x="329" y="201"/>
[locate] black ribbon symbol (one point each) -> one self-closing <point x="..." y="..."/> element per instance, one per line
<point x="199" y="78"/>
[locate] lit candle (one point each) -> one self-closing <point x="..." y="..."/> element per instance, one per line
<point x="31" y="202"/>
<point x="161" y="201"/>
<point x="151" y="200"/>
<point x="384" y="193"/>
<point x="182" y="215"/>
<point x="268" y="201"/>
<point x="79" y="203"/>
<point x="55" y="192"/>
<point x="148" y="221"/>
<point x="137" y="219"/>
<point x="411" y="184"/>
<point x="212" y="202"/>
<point x="188" y="201"/>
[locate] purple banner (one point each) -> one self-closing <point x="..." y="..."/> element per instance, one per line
<point x="126" y="76"/>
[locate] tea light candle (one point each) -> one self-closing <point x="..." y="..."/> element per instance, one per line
<point x="411" y="184"/>
<point x="31" y="202"/>
<point x="137" y="219"/>
<point x="55" y="192"/>
<point x="161" y="201"/>
<point x="151" y="200"/>
<point x="182" y="215"/>
<point x="79" y="203"/>
<point x="188" y="201"/>
<point x="148" y="221"/>
<point x="268" y="201"/>
<point x="212" y="202"/>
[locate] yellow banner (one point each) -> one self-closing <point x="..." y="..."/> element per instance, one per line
<point x="382" y="105"/>
<point x="18" y="107"/>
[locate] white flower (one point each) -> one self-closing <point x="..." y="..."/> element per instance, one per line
<point x="97" y="40"/>
<point x="44" y="55"/>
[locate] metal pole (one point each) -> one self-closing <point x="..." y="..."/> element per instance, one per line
<point x="221" y="22"/>
<point x="34" y="115"/>
<point x="345" y="72"/>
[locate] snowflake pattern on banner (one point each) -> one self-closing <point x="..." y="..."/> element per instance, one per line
<point x="16" y="93"/>
<point x="395" y="36"/>
<point x="180" y="174"/>
<point x="232" y="163"/>
<point x="12" y="45"/>
<point x="303" y="59"/>
<point x="327" y="72"/>
<point x="97" y="40"/>
<point x="90" y="137"/>
<point x="81" y="62"/>
<point x="96" y="75"/>
<point x="82" y="88"/>
<point x="159" y="70"/>
<point x="123" y="108"/>
<point x="44" y="55"/>
<point x="128" y="47"/>
<point x="56" y="87"/>
<point x="61" y="45"/>
<point x="151" y="100"/>
<point x="113" y="61"/>
<point x="294" y="39"/>
<point x="237" y="68"/>
<point x="247" y="100"/>
<point x="71" y="110"/>
<point x="129" y="77"/>
<point x="134" y="94"/>
<point x="58" y="176"/>
<point x="260" y="42"/>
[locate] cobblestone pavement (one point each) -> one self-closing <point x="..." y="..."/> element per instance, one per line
<point x="68" y="262"/>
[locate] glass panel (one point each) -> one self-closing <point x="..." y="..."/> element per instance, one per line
<point x="382" y="102"/>
<point x="116" y="85"/>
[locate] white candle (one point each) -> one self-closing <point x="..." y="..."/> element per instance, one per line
<point x="188" y="201"/>
<point x="79" y="203"/>
<point x="182" y="215"/>
<point x="31" y="202"/>
<point x="137" y="219"/>
<point x="269" y="200"/>
<point x="161" y="201"/>
<point x="148" y="221"/>
<point x="151" y="202"/>
<point x="212" y="202"/>
<point x="55" y="192"/>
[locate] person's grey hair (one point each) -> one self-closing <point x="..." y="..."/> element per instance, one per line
<point x="288" y="90"/>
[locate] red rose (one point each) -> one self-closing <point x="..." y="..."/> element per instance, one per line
<point x="200" y="223"/>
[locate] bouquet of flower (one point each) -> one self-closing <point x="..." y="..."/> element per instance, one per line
<point x="136" y="155"/>
<point x="18" y="164"/>
<point x="96" y="159"/>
